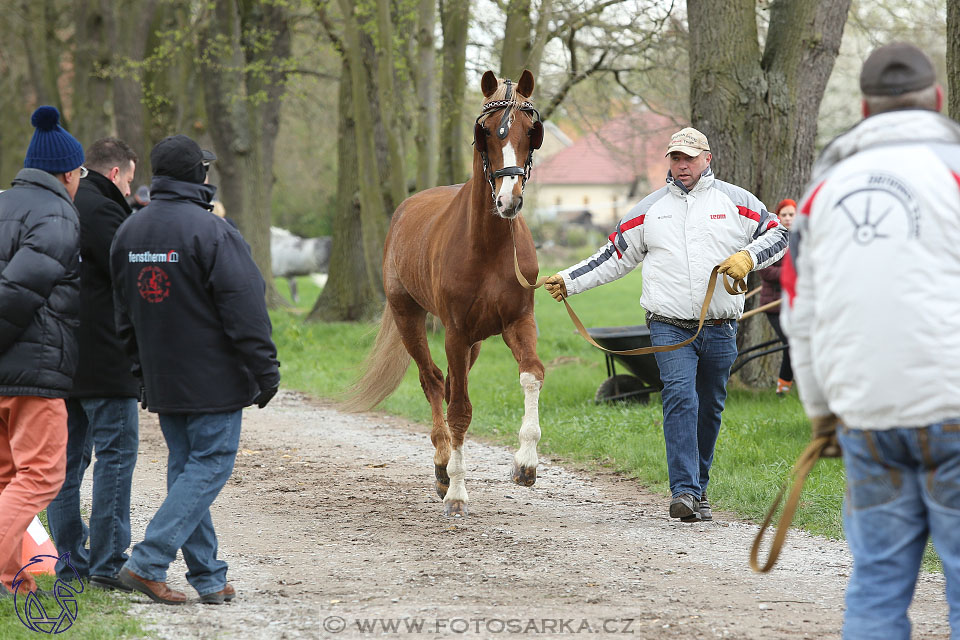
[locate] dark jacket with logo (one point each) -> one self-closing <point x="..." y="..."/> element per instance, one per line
<point x="190" y="304"/>
<point x="104" y="367"/>
<point x="39" y="287"/>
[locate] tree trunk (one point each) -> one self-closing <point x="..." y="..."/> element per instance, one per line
<point x="350" y="293"/>
<point x="953" y="58"/>
<point x="390" y="106"/>
<point x="42" y="46"/>
<point x="128" y="25"/>
<point x="759" y="109"/>
<point x="93" y="52"/>
<point x="426" y="98"/>
<point x="517" y="34"/>
<point x="455" y="18"/>
<point x="372" y="204"/>
<point x="242" y="109"/>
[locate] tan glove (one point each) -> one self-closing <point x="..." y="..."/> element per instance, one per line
<point x="826" y="426"/>
<point x="737" y="266"/>
<point x="555" y="287"/>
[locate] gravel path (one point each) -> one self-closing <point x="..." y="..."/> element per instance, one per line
<point x="332" y="530"/>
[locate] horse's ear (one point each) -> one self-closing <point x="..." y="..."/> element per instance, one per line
<point x="525" y="86"/>
<point x="489" y="83"/>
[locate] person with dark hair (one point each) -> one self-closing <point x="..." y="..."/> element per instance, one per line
<point x="39" y="298"/>
<point x="770" y="292"/>
<point x="102" y="407"/>
<point x="872" y="317"/>
<point x="191" y="308"/>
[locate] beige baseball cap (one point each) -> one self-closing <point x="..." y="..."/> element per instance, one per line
<point x="688" y="141"/>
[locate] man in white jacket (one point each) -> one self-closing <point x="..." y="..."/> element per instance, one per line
<point x="679" y="233"/>
<point x="873" y="319"/>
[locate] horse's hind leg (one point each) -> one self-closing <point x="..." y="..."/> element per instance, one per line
<point x="411" y="321"/>
<point x="521" y="337"/>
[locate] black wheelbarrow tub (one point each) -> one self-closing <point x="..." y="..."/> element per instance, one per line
<point x="645" y="377"/>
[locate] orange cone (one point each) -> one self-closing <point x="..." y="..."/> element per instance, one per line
<point x="36" y="542"/>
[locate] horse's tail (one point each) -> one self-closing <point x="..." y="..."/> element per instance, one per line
<point x="383" y="368"/>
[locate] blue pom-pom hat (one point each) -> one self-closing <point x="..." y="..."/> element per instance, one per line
<point x="52" y="148"/>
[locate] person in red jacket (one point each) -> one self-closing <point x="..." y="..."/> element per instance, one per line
<point x="770" y="292"/>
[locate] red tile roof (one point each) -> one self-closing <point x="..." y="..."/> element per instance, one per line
<point x="623" y="149"/>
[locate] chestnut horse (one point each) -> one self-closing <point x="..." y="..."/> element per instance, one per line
<point x="450" y="252"/>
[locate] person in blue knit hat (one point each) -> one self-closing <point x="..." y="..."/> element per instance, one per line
<point x="39" y="305"/>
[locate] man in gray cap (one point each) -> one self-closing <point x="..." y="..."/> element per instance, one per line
<point x="874" y="329"/>
<point x="680" y="232"/>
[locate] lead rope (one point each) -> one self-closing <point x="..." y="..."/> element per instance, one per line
<point x="801" y="469"/>
<point x="738" y="287"/>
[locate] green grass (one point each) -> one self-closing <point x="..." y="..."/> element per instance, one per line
<point x="100" y="616"/>
<point x="761" y="437"/>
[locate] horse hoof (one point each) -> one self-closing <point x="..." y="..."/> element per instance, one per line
<point x="443" y="480"/>
<point x="524" y="476"/>
<point x="456" y="509"/>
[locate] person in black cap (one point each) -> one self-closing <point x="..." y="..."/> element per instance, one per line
<point x="191" y="308"/>
<point x="873" y="325"/>
<point x="39" y="299"/>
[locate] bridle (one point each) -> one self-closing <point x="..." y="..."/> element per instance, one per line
<point x="480" y="133"/>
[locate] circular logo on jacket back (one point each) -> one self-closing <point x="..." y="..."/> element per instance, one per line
<point x="153" y="284"/>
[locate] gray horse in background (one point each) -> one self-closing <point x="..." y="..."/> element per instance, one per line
<point x="293" y="256"/>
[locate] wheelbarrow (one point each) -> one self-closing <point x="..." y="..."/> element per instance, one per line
<point x="644" y="376"/>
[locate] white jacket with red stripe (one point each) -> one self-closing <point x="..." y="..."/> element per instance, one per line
<point x="872" y="283"/>
<point x="679" y="236"/>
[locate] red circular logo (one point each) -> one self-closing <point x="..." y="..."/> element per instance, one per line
<point x="153" y="284"/>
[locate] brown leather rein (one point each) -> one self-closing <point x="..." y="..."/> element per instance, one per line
<point x="738" y="287"/>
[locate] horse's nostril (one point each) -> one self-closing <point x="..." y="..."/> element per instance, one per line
<point x="519" y="203"/>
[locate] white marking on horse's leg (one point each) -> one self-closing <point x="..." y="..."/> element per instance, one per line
<point x="505" y="195"/>
<point x="457" y="470"/>
<point x="526" y="457"/>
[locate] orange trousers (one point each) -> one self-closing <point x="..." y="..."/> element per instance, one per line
<point x="33" y="460"/>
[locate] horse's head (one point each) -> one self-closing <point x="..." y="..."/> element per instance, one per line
<point x="508" y="130"/>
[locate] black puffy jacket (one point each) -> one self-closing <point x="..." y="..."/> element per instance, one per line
<point x="190" y="304"/>
<point x="103" y="370"/>
<point x="39" y="287"/>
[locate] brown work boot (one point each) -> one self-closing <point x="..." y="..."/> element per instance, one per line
<point x="219" y="597"/>
<point x="156" y="591"/>
<point x="705" y="513"/>
<point x="686" y="507"/>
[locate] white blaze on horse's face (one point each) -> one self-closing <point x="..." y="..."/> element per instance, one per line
<point x="510" y="196"/>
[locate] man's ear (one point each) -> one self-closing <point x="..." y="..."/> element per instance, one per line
<point x="113" y="173"/>
<point x="709" y="158"/>
<point x="864" y="108"/>
<point x="939" y="98"/>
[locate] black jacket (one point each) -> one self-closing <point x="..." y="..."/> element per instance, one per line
<point x="39" y="287"/>
<point x="104" y="367"/>
<point x="190" y="303"/>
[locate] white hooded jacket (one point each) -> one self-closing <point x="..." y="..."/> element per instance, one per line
<point x="872" y="283"/>
<point x="679" y="236"/>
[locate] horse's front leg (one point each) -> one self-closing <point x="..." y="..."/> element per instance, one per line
<point x="459" y="413"/>
<point x="521" y="337"/>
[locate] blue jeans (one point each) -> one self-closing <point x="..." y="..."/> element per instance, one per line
<point x="202" y="449"/>
<point x="903" y="485"/>
<point x="109" y="427"/>
<point x="694" y="389"/>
